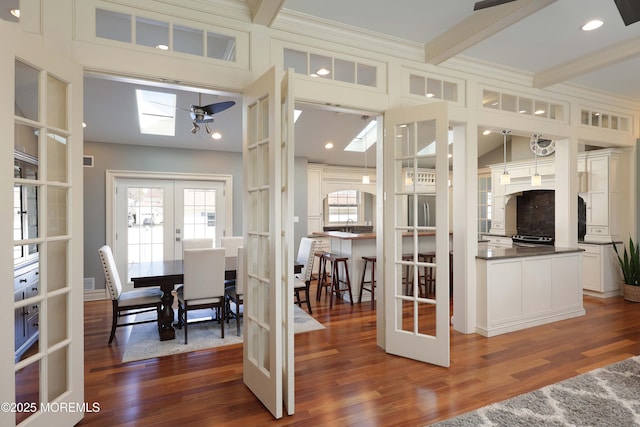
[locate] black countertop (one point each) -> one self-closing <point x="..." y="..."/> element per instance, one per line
<point x="522" y="251"/>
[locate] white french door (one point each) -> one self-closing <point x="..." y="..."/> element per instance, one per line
<point x="416" y="320"/>
<point x="153" y="216"/>
<point x="41" y="126"/>
<point x="268" y="222"/>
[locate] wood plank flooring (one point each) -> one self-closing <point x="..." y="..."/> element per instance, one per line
<point x="343" y="378"/>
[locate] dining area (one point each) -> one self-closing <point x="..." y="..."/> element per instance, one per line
<point x="205" y="277"/>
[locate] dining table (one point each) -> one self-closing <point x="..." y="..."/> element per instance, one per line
<point x="167" y="275"/>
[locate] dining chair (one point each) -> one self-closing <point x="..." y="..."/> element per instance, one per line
<point x="127" y="303"/>
<point x="235" y="292"/>
<point x="302" y="281"/>
<point x="203" y="285"/>
<point x="231" y="244"/>
<point x="198" y="243"/>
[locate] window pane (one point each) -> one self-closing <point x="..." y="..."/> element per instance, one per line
<point x="296" y="60"/>
<point x="26" y="91"/>
<point x="367" y="75"/>
<point x="113" y="25"/>
<point x="221" y="47"/>
<point x="151" y="33"/>
<point x="321" y="66"/>
<point x="345" y="71"/>
<point x="188" y="40"/>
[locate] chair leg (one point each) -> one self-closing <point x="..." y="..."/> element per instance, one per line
<point x="237" y="316"/>
<point x="222" y="322"/>
<point x="185" y="312"/>
<point x="308" y="295"/>
<point x="114" y="320"/>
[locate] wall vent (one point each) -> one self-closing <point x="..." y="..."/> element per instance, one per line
<point x="87" y="161"/>
<point x="89" y="283"/>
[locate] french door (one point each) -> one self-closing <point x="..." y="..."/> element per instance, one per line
<point x="416" y="320"/>
<point x="268" y="368"/>
<point x="153" y="216"/>
<point x="42" y="292"/>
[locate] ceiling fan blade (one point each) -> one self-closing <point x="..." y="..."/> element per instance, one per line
<point x="629" y="11"/>
<point x="489" y="3"/>
<point x="218" y="107"/>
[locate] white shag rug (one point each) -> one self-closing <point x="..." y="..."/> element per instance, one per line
<point x="144" y="342"/>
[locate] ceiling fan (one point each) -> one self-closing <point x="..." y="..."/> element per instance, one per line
<point x="629" y="9"/>
<point x="204" y="114"/>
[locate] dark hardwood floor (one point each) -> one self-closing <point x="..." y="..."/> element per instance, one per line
<point x="343" y="378"/>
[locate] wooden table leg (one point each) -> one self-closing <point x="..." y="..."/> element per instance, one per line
<point x="165" y="322"/>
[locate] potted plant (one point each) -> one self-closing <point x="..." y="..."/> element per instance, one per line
<point x="630" y="265"/>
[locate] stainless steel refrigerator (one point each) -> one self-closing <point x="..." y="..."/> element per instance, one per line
<point x="426" y="213"/>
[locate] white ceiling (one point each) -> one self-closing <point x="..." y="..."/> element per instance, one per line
<point x="546" y="44"/>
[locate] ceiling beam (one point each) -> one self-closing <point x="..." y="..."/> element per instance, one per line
<point x="585" y="64"/>
<point x="477" y="27"/>
<point x="264" y="12"/>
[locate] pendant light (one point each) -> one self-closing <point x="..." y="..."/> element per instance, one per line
<point x="505" y="178"/>
<point x="365" y="177"/>
<point x="536" y="179"/>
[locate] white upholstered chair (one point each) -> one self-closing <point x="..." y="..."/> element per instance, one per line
<point x="203" y="285"/>
<point x="129" y="302"/>
<point x="302" y="281"/>
<point x="234" y="293"/>
<point x="231" y="244"/>
<point x="199" y="243"/>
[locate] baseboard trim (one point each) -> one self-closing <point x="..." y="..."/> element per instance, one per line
<point x="95" y="294"/>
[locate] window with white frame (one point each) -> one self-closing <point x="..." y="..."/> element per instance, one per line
<point x="343" y="206"/>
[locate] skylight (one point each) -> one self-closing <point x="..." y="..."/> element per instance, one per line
<point x="156" y="112"/>
<point x="365" y="139"/>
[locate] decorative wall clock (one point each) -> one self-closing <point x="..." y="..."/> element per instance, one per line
<point x="541" y="146"/>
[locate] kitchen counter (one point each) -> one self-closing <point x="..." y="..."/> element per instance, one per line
<point x="522" y="251"/>
<point x="360" y="236"/>
<point x="521" y="287"/>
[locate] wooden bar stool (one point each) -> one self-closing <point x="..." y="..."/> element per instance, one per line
<point x="372" y="282"/>
<point x="336" y="261"/>
<point x="427" y="279"/>
<point x="324" y="280"/>
<point x="407" y="279"/>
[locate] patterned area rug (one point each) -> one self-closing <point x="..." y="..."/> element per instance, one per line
<point x="143" y="341"/>
<point x="605" y="397"/>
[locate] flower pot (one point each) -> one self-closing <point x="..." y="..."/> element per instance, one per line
<point x="632" y="293"/>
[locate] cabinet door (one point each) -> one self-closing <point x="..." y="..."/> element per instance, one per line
<point x="591" y="272"/>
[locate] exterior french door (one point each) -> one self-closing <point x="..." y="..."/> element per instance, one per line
<point x="416" y="314"/>
<point x="41" y="112"/>
<point x="268" y="222"/>
<point x="153" y="216"/>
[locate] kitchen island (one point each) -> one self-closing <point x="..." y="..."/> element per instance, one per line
<point x="521" y="287"/>
<point x="356" y="245"/>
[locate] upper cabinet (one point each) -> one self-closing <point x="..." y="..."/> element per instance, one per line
<point x="602" y="197"/>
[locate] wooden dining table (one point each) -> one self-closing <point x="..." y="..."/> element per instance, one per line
<point x="167" y="275"/>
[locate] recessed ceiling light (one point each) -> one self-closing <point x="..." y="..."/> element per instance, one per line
<point x="430" y="95"/>
<point x="162" y="47"/>
<point x="594" y="24"/>
<point x="84" y="125"/>
<point x="216" y="135"/>
<point x="486" y="132"/>
<point x="323" y="72"/>
<point x="328" y="145"/>
<point x="538" y="112"/>
<point x="15" y="12"/>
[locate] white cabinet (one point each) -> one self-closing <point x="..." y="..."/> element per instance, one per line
<point x="314" y="198"/>
<point x="603" y="178"/>
<point x="600" y="271"/>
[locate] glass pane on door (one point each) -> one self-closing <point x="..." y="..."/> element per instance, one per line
<point x="199" y="213"/>
<point x="145" y="224"/>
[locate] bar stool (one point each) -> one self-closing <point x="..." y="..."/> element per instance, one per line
<point x="372" y="282"/>
<point x="336" y="261"/>
<point x="407" y="279"/>
<point x="427" y="279"/>
<point x="323" y="281"/>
